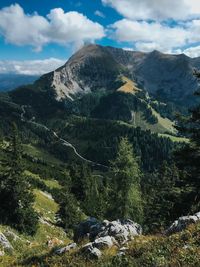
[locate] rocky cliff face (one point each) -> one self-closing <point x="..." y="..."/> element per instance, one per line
<point x="91" y="68"/>
<point x="98" y="68"/>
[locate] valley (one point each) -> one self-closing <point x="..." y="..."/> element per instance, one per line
<point x="99" y="159"/>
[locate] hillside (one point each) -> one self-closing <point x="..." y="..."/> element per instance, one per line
<point x="92" y="154"/>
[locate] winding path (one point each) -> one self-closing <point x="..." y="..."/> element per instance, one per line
<point x="64" y="142"/>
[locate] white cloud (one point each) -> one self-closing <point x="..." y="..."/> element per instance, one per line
<point x="30" y="67"/>
<point x="149" y="36"/>
<point x="156" y="9"/>
<point x="128" y="49"/>
<point x="99" y="14"/>
<point x="57" y="27"/>
<point x="191" y="51"/>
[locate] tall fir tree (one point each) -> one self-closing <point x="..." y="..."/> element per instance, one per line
<point x="162" y="194"/>
<point x="188" y="158"/>
<point x="16" y="197"/>
<point x="126" y="200"/>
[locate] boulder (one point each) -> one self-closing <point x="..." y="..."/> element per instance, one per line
<point x="5" y="243"/>
<point x="66" y="249"/>
<point x="182" y="222"/>
<point x="90" y="251"/>
<point x="121" y="230"/>
<point x="104" y="242"/>
<point x="85" y="228"/>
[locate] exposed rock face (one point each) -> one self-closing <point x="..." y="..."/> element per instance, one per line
<point x="97" y="68"/>
<point x="182" y="222"/>
<point x="90" y="252"/>
<point x="104" y="242"/>
<point x="92" y="67"/>
<point x="121" y="230"/>
<point x="5" y="243"/>
<point x="104" y="235"/>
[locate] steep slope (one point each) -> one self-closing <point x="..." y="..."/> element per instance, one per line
<point x="89" y="69"/>
<point x="169" y="77"/>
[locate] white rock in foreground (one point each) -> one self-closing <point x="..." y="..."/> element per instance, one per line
<point x="5" y="243"/>
<point x="182" y="222"/>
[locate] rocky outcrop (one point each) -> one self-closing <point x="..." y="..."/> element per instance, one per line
<point x="121" y="230"/>
<point x="90" y="251"/>
<point x="11" y="236"/>
<point x="102" y="235"/>
<point x="5" y="244"/>
<point x="182" y="222"/>
<point x="105" y="235"/>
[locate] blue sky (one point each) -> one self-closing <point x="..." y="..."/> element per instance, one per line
<point x="43" y="7"/>
<point x="47" y="32"/>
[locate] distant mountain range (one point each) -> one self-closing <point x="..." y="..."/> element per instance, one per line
<point x="169" y="77"/>
<point x="143" y="89"/>
<point x="10" y="81"/>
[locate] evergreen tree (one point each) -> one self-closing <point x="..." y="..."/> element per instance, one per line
<point x="163" y="196"/>
<point x="95" y="202"/>
<point x="126" y="199"/>
<point x="16" y="198"/>
<point x="188" y="159"/>
<point x="69" y="212"/>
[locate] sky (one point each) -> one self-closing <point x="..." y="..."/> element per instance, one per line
<point x="37" y="36"/>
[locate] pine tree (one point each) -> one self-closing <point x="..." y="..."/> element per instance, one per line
<point x="126" y="202"/>
<point x="95" y="202"/>
<point x="16" y="198"/>
<point x="69" y="213"/>
<point x="188" y="159"/>
<point x="163" y="196"/>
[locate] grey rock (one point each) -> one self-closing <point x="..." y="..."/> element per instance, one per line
<point x="182" y="222"/>
<point x="11" y="236"/>
<point x="66" y="249"/>
<point x="104" y="242"/>
<point x="121" y="230"/>
<point x="90" y="251"/>
<point x="5" y="243"/>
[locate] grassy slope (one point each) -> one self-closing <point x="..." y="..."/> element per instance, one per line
<point x="28" y="247"/>
<point x="163" y="125"/>
<point x="129" y="86"/>
<point x="40" y="154"/>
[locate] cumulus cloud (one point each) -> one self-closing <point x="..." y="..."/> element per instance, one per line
<point x="57" y="27"/>
<point x="156" y="9"/>
<point x="30" y="67"/>
<point x="149" y="36"/>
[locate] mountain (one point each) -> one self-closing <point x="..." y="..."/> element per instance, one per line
<point x="94" y="67"/>
<point x="10" y="81"/>
<point x="142" y="89"/>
